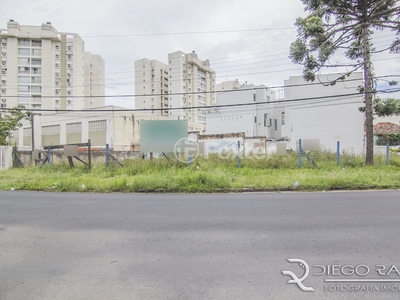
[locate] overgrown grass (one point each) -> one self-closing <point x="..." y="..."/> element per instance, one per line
<point x="211" y="175"/>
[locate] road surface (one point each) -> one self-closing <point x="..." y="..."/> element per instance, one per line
<point x="199" y="246"/>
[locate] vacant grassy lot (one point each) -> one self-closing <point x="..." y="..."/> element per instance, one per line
<point x="212" y="175"/>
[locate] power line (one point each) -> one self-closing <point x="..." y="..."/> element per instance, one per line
<point x="174" y="94"/>
<point x="178" y="80"/>
<point x="204" y="92"/>
<point x="188" y="32"/>
<point x="392" y="90"/>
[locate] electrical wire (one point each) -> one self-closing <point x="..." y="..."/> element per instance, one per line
<point x="391" y="90"/>
<point x="187" y="32"/>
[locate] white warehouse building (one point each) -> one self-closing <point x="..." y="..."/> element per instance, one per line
<point x="105" y="125"/>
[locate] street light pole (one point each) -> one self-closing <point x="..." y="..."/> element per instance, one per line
<point x="33" y="133"/>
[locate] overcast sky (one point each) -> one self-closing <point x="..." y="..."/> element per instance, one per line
<point x="245" y="40"/>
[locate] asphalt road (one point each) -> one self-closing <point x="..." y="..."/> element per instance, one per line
<point x="198" y="246"/>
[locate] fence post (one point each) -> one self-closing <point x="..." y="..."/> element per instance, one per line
<point x="107" y="155"/>
<point x="190" y="159"/>
<point x="14" y="159"/>
<point x="48" y="156"/>
<point x="387" y="154"/>
<point x="239" y="154"/>
<point x="89" y="154"/>
<point x="338" y="153"/>
<point x="300" y="154"/>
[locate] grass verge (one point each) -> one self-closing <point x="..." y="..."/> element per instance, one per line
<point x="277" y="173"/>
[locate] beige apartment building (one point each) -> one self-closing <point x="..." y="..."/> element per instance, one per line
<point x="185" y="82"/>
<point x="151" y="86"/>
<point x="42" y="68"/>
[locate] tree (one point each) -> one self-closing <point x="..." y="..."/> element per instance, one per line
<point x="386" y="108"/>
<point x="10" y="121"/>
<point x="345" y="24"/>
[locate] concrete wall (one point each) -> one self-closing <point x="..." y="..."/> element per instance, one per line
<point x="392" y="119"/>
<point x="5" y="157"/>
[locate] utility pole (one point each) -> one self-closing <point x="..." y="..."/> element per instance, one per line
<point x="33" y="136"/>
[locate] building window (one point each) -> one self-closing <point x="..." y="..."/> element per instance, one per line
<point x="36" y="61"/>
<point x="74" y="127"/>
<point x="24" y="42"/>
<point x="266" y="124"/>
<point x="36" y="79"/>
<point x="97" y="125"/>
<point x="36" y="98"/>
<point x="51" y="130"/>
<point x="24" y="61"/>
<point x="23" y="88"/>
<point x="27" y="131"/>
<point x="276" y="124"/>
<point x="23" y="99"/>
<point x="36" y="43"/>
<point x="36" y="52"/>
<point x="24" y="51"/>
<point x="36" y="89"/>
<point x="36" y="71"/>
<point x="24" y="79"/>
<point x="283" y="118"/>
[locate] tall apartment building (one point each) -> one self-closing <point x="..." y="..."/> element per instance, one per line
<point x="185" y="82"/>
<point x="94" y="80"/>
<point x="42" y="68"/>
<point x="151" y="86"/>
<point x="192" y="84"/>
